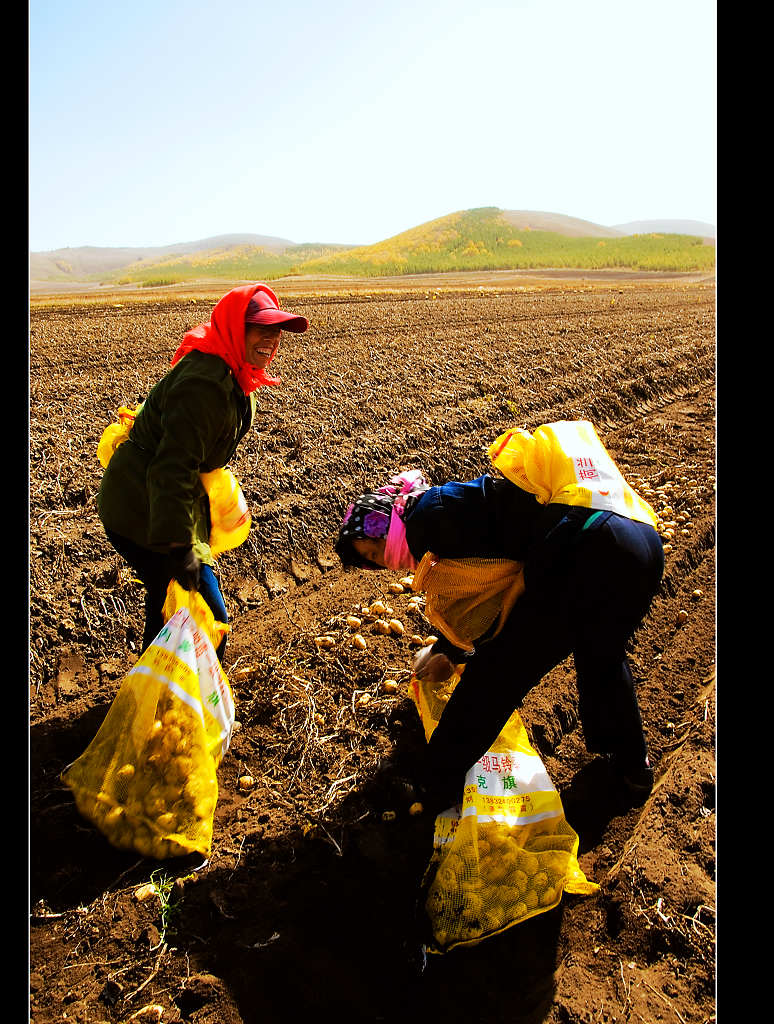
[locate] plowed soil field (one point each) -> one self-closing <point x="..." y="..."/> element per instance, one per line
<point x="301" y="909"/>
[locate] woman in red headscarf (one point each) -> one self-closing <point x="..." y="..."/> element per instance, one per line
<point x="152" y="503"/>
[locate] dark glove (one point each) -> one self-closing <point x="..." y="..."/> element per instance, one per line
<point x="185" y="567"/>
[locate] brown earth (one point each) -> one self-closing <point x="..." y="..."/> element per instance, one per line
<point x="301" y="908"/>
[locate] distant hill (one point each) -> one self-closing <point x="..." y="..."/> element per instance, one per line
<point x="488" y="238"/>
<point x="85" y="262"/>
<point x="485" y="238"/>
<point x="535" y="220"/>
<point x="672" y="227"/>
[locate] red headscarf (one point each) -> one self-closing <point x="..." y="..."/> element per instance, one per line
<point x="224" y="335"/>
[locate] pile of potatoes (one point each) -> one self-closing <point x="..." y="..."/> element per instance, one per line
<point x="382" y="619"/>
<point x="160" y="801"/>
<point x="491" y="878"/>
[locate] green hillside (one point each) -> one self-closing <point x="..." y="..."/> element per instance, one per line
<point x="486" y="238"/>
<point x="250" y="262"/>
<point x="483" y="239"/>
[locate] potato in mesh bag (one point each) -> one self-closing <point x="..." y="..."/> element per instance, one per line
<point x="148" y="779"/>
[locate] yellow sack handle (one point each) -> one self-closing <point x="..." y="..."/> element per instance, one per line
<point x="230" y="518"/>
<point x="201" y="612"/>
<point x="566" y="462"/>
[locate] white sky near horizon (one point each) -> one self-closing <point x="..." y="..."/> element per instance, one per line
<point x="160" y="121"/>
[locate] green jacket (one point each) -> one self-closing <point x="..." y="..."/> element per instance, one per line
<point x="190" y="423"/>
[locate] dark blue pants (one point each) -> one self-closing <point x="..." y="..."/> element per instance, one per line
<point x="152" y="569"/>
<point x="588" y="606"/>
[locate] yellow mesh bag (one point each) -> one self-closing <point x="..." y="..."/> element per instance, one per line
<point x="148" y="779"/>
<point x="116" y="433"/>
<point x="506" y="852"/>
<point x="466" y="596"/>
<point x="230" y="518"/>
<point x="566" y="462"/>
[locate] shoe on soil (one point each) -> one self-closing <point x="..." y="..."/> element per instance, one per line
<point x="636" y="779"/>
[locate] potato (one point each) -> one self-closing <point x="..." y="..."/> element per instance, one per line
<point x="167" y="822"/>
<point x="549" y="897"/>
<point x="531" y="899"/>
<point x="395" y="588"/>
<point x="126" y="771"/>
<point x="492" y="869"/>
<point x="114" y="817"/>
<point x="472" y="902"/>
<point x="359" y="641"/>
<point x="446" y="877"/>
<point x="204" y="807"/>
<point x="154" y="805"/>
<point x="246" y="783"/>
<point x="382" y="626"/>
<point x="389" y="686"/>
<point x="184" y="746"/>
<point x="492" y="919"/>
<point x="143" y="842"/>
<point x="397" y="627"/>
<point x="163" y="848"/>
<point x="170" y="738"/>
<point x="354" y="622"/>
<point x="509" y="895"/>
<point x="528" y="863"/>
<point x="520" y="881"/>
<point x="378" y="608"/>
<point x="178" y="769"/>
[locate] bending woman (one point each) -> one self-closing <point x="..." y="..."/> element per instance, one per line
<point x="588" y="581"/>
<point x="151" y="501"/>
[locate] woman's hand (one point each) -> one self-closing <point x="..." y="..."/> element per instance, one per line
<point x="184" y="567"/>
<point x="432" y="667"/>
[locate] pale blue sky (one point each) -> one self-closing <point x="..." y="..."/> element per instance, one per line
<point x="162" y="121"/>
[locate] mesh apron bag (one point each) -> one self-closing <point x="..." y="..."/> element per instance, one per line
<point x="148" y="780"/>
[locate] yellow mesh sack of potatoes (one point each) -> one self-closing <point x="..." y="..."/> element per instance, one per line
<point x="148" y="780"/>
<point x="467" y="596"/>
<point x="566" y="462"/>
<point x="506" y="852"/>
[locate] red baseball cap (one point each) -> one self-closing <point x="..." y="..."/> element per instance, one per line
<point x="263" y="308"/>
